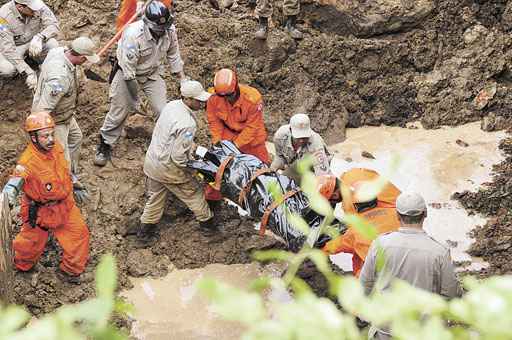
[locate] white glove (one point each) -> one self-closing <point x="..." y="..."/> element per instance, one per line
<point x="36" y="46"/>
<point x="31" y="80"/>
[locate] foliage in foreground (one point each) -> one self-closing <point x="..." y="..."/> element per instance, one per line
<point x="484" y="312"/>
<point x="85" y="320"/>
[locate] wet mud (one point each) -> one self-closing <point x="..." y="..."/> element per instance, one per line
<point x="339" y="79"/>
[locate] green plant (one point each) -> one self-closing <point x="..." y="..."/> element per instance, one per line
<point x="85" y="320"/>
<point x="485" y="312"/>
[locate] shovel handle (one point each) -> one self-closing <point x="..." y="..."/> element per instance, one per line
<point x="116" y="37"/>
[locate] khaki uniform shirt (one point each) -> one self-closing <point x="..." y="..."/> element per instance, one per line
<point x="57" y="86"/>
<point x="171" y="144"/>
<point x="16" y="30"/>
<point x="140" y="55"/>
<point x="286" y="155"/>
<point x="415" y="257"/>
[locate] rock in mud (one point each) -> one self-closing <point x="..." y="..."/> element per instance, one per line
<point x="493" y="122"/>
<point x="460" y="142"/>
<point x="142" y="262"/>
<point x="484" y="96"/>
<point x="368" y="155"/>
<point x="139" y="126"/>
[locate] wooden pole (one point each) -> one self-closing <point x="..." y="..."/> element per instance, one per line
<point x="6" y="270"/>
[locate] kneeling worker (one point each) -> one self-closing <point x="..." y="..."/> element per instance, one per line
<point x="357" y="199"/>
<point x="172" y="145"/>
<point x="295" y="140"/>
<point x="47" y="204"/>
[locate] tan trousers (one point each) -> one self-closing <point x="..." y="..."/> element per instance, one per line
<point x="264" y="8"/>
<point x="191" y="193"/>
<point x="8" y="70"/>
<point x="70" y="136"/>
<point x="122" y="104"/>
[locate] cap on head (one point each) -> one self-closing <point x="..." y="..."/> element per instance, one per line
<point x="225" y="82"/>
<point x="363" y="191"/>
<point x="300" y="126"/>
<point x="86" y="47"/>
<point x="38" y="121"/>
<point x="34" y="5"/>
<point x="410" y="204"/>
<point x="194" y="89"/>
<point x="326" y="185"/>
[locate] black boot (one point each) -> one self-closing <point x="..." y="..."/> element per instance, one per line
<point x="291" y="22"/>
<point x="262" y="31"/>
<point x="103" y="153"/>
<point x="209" y="226"/>
<point x="147" y="235"/>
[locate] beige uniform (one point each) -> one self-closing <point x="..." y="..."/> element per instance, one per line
<point x="264" y="8"/>
<point x="140" y="57"/>
<point x="57" y="92"/>
<point x="16" y="32"/>
<point x="165" y="164"/>
<point x="413" y="256"/>
<point x="286" y="157"/>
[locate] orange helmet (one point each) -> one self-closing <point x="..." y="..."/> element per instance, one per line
<point x="225" y="82"/>
<point x="326" y="185"/>
<point x="362" y="192"/>
<point x="39" y="120"/>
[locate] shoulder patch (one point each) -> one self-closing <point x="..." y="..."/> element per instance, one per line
<point x="55" y="88"/>
<point x="4" y="25"/>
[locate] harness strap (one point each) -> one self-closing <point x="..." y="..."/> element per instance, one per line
<point x="248" y="185"/>
<point x="275" y="204"/>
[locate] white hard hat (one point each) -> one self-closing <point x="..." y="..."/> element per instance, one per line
<point x="86" y="47"/>
<point x="410" y="204"/>
<point x="300" y="126"/>
<point x="34" y="5"/>
<point x="194" y="89"/>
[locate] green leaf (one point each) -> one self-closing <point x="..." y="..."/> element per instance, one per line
<point x="106" y="277"/>
<point x="233" y="303"/>
<point x="271" y="255"/>
<point x="298" y="222"/>
<point x="320" y="260"/>
<point x="259" y="284"/>
<point x="366" y="229"/>
<point x="305" y="164"/>
<point x="123" y="307"/>
<point x="12" y="318"/>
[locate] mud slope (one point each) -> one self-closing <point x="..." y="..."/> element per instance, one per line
<point x="391" y="78"/>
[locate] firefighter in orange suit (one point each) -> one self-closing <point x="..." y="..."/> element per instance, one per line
<point x="47" y="203"/>
<point x="379" y="211"/>
<point x="235" y="113"/>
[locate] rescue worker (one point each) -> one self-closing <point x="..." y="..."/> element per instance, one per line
<point x="358" y="197"/>
<point x="57" y="93"/>
<point x="47" y="204"/>
<point x="28" y="28"/>
<point x="295" y="140"/>
<point x="140" y="51"/>
<point x="291" y="9"/>
<point x="172" y="146"/>
<point x="411" y="255"/>
<point x="235" y="113"/>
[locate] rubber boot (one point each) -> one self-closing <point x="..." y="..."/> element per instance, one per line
<point x="209" y="226"/>
<point x="291" y="22"/>
<point x="262" y="31"/>
<point x="69" y="278"/>
<point x="103" y="153"/>
<point x="147" y="235"/>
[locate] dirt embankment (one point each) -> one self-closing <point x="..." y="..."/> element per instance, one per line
<point x="430" y="67"/>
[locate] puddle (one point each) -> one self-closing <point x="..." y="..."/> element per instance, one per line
<point x="169" y="308"/>
<point x="434" y="164"/>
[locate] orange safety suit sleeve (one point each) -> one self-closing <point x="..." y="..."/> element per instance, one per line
<point x="215" y="124"/>
<point x="253" y="126"/>
<point x="341" y="244"/>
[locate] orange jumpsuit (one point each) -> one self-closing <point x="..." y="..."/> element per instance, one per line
<point x="383" y="217"/>
<point x="241" y="123"/>
<point x="47" y="181"/>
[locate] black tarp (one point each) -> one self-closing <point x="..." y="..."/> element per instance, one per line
<point x="238" y="173"/>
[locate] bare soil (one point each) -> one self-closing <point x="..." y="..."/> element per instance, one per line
<point x="340" y="80"/>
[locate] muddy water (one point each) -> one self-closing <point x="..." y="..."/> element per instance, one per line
<point x="432" y="163"/>
<point x="169" y="308"/>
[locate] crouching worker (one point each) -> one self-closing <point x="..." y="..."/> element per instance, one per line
<point x="354" y="190"/>
<point x="47" y="203"/>
<point x="172" y="146"/>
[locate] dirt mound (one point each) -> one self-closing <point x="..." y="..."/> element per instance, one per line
<point x="431" y="69"/>
<point x="493" y="241"/>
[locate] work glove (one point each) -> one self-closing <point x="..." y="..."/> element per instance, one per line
<point x="81" y="195"/>
<point x="36" y="46"/>
<point x="31" y="80"/>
